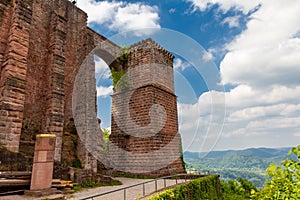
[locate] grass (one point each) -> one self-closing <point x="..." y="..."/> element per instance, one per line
<point x="135" y="176"/>
<point x="88" y="183"/>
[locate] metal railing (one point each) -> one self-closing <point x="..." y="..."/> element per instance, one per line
<point x="185" y="177"/>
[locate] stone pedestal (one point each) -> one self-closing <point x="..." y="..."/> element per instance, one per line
<point x="43" y="161"/>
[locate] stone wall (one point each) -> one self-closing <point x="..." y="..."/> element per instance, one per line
<point x="144" y="114"/>
<point x="15" y="29"/>
<point x="43" y="44"/>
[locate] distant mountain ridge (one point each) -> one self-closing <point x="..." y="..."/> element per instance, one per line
<point x="256" y="152"/>
<point x="231" y="164"/>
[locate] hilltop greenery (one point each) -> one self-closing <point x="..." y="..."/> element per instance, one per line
<point x="237" y="189"/>
<point x="283" y="180"/>
<point x="249" y="164"/>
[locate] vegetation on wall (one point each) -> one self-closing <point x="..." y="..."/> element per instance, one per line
<point x="118" y="69"/>
<point x="123" y="54"/>
<point x="118" y="78"/>
<point x="202" y="188"/>
<point x="77" y="163"/>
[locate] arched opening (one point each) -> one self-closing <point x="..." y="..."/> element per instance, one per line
<point x="104" y="88"/>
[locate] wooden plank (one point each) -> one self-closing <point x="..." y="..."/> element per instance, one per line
<point x="19" y="192"/>
<point x="15" y="175"/>
<point x="14" y="182"/>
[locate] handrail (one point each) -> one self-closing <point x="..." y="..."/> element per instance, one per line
<point x="143" y="183"/>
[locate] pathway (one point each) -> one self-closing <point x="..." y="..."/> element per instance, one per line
<point x="131" y="193"/>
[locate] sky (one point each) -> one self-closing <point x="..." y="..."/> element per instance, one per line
<point x="237" y="80"/>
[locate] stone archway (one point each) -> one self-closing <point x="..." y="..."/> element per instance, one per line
<point x="43" y="47"/>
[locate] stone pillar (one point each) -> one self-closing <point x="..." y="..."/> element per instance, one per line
<point x="43" y="161"/>
<point x="13" y="69"/>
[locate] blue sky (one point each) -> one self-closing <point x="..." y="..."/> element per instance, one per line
<point x="243" y="92"/>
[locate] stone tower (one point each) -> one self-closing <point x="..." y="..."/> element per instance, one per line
<point x="144" y="114"/>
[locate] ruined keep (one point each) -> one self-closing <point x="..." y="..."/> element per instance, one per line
<point x="42" y="46"/>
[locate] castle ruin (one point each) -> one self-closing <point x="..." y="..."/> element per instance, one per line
<point x="42" y="47"/>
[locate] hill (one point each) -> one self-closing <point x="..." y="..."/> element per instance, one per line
<point x="232" y="164"/>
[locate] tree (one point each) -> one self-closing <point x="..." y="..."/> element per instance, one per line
<point x="237" y="189"/>
<point x="106" y="134"/>
<point x="284" y="180"/>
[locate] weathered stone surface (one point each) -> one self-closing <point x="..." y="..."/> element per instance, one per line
<point x="42" y="46"/>
<point x="144" y="120"/>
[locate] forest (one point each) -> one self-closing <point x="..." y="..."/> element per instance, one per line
<point x="249" y="164"/>
<point x="282" y="180"/>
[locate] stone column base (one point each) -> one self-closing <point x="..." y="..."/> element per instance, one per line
<point x="42" y="193"/>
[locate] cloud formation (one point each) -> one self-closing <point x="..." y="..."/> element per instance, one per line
<point x="104" y="92"/>
<point x="179" y="64"/>
<point x="262" y="66"/>
<point x="225" y="5"/>
<point x="101" y="69"/>
<point x="121" y="16"/>
<point x="232" y="21"/>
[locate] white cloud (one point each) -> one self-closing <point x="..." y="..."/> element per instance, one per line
<point x="263" y="65"/>
<point x="232" y="21"/>
<point x="225" y="5"/>
<point x="104" y="92"/>
<point x="121" y="16"/>
<point x="266" y="53"/>
<point x="207" y="56"/>
<point x="172" y="10"/>
<point x="101" y="69"/>
<point x="297" y="134"/>
<point x="179" y="64"/>
<point x="248" y="117"/>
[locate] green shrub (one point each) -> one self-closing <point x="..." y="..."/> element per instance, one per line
<point x="284" y="180"/>
<point x="237" y="189"/>
<point x="77" y="164"/>
<point x="200" y="189"/>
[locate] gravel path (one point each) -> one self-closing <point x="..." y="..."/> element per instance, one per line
<point x="131" y="193"/>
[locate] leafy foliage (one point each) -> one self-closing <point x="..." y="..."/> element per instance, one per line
<point x="119" y="78"/>
<point x="77" y="164"/>
<point x="284" y="180"/>
<point x="237" y="189"/>
<point x="124" y="54"/>
<point x="106" y="134"/>
<point x="200" y="189"/>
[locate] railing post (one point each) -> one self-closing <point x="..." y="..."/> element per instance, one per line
<point x="155" y="185"/>
<point x="124" y="194"/>
<point x="176" y="180"/>
<point x="143" y="189"/>
<point x="165" y="183"/>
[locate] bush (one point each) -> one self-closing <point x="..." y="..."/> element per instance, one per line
<point x="237" y="189"/>
<point x="200" y="189"/>
<point x="284" y="180"/>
